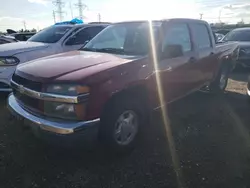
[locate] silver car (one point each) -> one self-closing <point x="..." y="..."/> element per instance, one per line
<point x="52" y="40"/>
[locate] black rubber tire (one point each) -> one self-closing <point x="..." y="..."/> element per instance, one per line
<point x="109" y="118"/>
<point x="214" y="86"/>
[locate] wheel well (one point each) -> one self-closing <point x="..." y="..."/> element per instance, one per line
<point x="224" y="63"/>
<point x="139" y="92"/>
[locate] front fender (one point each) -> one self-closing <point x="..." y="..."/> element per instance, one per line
<point x="119" y="80"/>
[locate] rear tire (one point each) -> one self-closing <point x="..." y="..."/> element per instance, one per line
<point x="220" y="83"/>
<point x="120" y="124"/>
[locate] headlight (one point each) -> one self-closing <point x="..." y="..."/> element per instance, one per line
<point x="67" y="89"/>
<point x="65" y="110"/>
<point x="5" y="61"/>
<point x="62" y="110"/>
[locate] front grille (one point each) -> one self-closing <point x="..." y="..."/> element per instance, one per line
<point x="28" y="102"/>
<point x="37" y="86"/>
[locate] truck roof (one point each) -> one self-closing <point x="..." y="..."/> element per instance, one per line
<point x="81" y="25"/>
<point x="188" y="20"/>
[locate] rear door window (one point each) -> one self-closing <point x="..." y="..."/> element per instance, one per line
<point x="178" y="34"/>
<point x="201" y="36"/>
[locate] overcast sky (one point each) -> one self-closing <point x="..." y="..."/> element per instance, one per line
<point x="38" y="13"/>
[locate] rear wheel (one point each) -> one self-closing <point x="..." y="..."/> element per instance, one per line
<point x="120" y="124"/>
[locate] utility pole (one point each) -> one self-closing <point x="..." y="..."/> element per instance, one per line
<point x="81" y="6"/>
<point x="99" y="17"/>
<point x="24" y="25"/>
<point x="59" y="4"/>
<point x="201" y="16"/>
<point x="54" y="16"/>
<point x="219" y="15"/>
<point x="71" y="10"/>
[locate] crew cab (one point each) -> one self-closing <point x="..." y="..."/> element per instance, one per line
<point x="107" y="89"/>
<point x="52" y="40"/>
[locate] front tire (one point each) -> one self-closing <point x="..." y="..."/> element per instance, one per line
<point x="120" y="124"/>
<point x="220" y="83"/>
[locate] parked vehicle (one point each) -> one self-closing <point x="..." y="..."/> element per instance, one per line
<point x="20" y="36"/>
<point x="4" y="39"/>
<point x="23" y="36"/>
<point x="219" y="36"/>
<point x="52" y="40"/>
<point x="242" y="36"/>
<point x="107" y="89"/>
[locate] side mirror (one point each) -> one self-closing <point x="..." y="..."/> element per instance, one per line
<point x="172" y="51"/>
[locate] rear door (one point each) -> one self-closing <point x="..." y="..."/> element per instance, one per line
<point x="77" y="40"/>
<point x="203" y="45"/>
<point x="177" y="76"/>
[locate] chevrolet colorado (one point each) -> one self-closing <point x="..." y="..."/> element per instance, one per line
<point x="107" y="89"/>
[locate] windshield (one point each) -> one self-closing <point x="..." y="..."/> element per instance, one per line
<point x="51" y="34"/>
<point x="127" y="38"/>
<point x="238" y="35"/>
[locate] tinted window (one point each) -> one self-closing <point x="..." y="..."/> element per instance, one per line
<point x="201" y="36"/>
<point x="238" y="35"/>
<point x="51" y="34"/>
<point x="178" y="34"/>
<point x="85" y="34"/>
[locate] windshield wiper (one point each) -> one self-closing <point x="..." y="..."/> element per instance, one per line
<point x="111" y="50"/>
<point x="89" y="49"/>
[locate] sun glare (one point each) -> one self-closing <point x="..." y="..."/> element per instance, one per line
<point x="164" y="111"/>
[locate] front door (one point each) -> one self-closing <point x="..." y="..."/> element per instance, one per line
<point x="177" y="75"/>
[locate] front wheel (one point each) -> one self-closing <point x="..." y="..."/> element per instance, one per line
<point x="120" y="125"/>
<point x="220" y="83"/>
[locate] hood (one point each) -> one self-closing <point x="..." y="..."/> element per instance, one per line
<point x="53" y="67"/>
<point x="11" y="49"/>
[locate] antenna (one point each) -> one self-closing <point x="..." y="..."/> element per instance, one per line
<point x="81" y="6"/>
<point x="59" y="4"/>
<point x="71" y="11"/>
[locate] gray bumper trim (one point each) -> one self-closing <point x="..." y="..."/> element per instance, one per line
<point x="63" y="127"/>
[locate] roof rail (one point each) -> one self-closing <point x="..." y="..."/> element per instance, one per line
<point x="99" y="23"/>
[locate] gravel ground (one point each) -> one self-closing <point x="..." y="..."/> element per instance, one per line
<point x="211" y="149"/>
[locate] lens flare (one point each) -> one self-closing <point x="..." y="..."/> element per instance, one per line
<point x="164" y="112"/>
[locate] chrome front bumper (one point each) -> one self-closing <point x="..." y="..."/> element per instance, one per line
<point x="50" y="125"/>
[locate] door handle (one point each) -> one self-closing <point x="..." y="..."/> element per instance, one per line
<point x="192" y="60"/>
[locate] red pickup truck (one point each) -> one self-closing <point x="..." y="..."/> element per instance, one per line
<point x="107" y="89"/>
